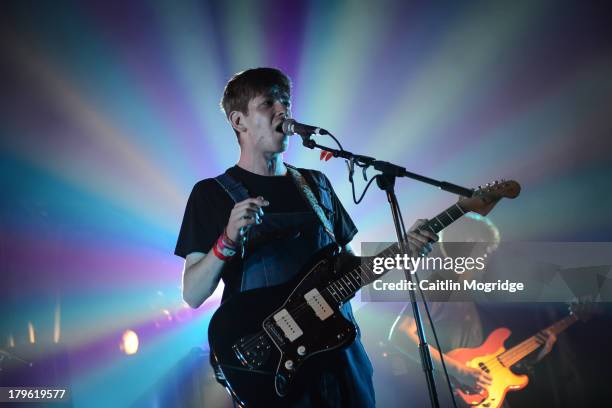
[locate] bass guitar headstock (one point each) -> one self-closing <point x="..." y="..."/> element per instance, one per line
<point x="485" y="198"/>
<point x="583" y="308"/>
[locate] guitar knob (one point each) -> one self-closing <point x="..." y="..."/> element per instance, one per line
<point x="289" y="364"/>
<point x="301" y="350"/>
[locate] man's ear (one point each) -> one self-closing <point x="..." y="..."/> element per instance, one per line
<point x="236" y="119"/>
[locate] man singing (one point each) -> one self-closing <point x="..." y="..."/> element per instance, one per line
<point x="287" y="214"/>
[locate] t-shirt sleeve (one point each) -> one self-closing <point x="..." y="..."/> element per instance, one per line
<point x="199" y="229"/>
<point x="344" y="228"/>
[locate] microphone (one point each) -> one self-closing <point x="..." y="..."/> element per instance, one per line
<point x="290" y="126"/>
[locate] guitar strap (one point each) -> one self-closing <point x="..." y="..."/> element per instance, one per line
<point x="307" y="193"/>
<point x="232" y="187"/>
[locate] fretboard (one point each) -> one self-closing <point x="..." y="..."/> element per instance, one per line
<point x="345" y="287"/>
<point x="512" y="356"/>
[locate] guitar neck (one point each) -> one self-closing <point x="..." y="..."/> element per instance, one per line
<point x="521" y="350"/>
<point x="345" y="287"/>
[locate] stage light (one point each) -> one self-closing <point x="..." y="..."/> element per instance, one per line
<point x="129" y="342"/>
<point x="57" y="323"/>
<point x="31" y="333"/>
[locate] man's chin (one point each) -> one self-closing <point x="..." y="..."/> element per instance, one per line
<point x="279" y="145"/>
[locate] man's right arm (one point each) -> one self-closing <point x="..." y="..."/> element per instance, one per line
<point x="202" y="272"/>
<point x="201" y="276"/>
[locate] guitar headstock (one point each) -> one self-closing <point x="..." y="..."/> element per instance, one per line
<point x="484" y="198"/>
<point x="583" y="309"/>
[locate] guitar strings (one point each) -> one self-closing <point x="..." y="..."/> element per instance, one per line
<point x="510" y="356"/>
<point x="572" y="318"/>
<point x="515" y="355"/>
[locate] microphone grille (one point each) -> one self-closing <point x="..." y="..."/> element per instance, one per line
<point x="288" y="126"/>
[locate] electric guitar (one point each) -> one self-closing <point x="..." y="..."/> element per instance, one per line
<point x="262" y="339"/>
<point x="492" y="358"/>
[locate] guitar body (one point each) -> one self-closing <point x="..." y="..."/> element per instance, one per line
<point x="261" y="340"/>
<point x="485" y="358"/>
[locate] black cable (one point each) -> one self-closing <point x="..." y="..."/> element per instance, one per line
<point x="364" y="191"/>
<point x="336" y="140"/>
<point x="355" y="200"/>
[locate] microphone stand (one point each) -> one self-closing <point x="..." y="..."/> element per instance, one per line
<point x="386" y="182"/>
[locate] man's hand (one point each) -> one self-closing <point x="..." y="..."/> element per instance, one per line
<point x="247" y="212"/>
<point x="420" y="241"/>
<point x="470" y="377"/>
<point x="548" y="345"/>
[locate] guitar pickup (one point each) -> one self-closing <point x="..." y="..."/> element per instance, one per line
<point x="316" y="301"/>
<point x="288" y="325"/>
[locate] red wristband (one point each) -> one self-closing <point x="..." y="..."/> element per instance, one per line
<point x="225" y="247"/>
<point x="219" y="255"/>
<point x="230" y="242"/>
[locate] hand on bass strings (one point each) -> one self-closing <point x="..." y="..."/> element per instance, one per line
<point x="551" y="338"/>
<point x="473" y="378"/>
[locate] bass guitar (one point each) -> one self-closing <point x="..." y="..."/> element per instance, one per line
<point x="492" y="358"/>
<point x="261" y="340"/>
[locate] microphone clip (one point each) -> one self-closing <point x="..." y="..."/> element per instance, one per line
<point x="307" y="141"/>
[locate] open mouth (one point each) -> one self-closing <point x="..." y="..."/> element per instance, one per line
<point x="279" y="128"/>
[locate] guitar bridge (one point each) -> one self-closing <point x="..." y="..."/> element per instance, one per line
<point x="252" y="351"/>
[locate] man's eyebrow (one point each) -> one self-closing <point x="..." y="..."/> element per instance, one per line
<point x="284" y="99"/>
<point x="278" y="94"/>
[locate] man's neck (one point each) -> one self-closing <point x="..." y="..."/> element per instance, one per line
<point x="262" y="165"/>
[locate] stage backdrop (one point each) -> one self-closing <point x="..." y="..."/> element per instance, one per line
<point x="109" y="115"/>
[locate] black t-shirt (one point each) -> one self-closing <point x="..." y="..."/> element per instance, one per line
<point x="209" y="207"/>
